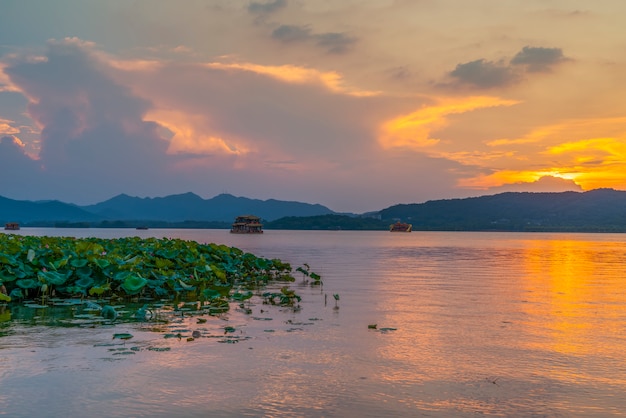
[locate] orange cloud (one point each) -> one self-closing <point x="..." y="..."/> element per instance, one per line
<point x="189" y="134"/>
<point x="7" y="129"/>
<point x="332" y="80"/>
<point x="414" y="130"/>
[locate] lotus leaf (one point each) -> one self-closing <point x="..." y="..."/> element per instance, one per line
<point x="211" y="294"/>
<point x="122" y="275"/>
<point x="242" y="296"/>
<point x="79" y="262"/>
<point x="7" y="259"/>
<point x="102" y="263"/>
<point x="133" y="284"/>
<point x="84" y="282"/>
<point x="109" y="312"/>
<point x="30" y="256"/>
<point x="52" y="277"/>
<point x="99" y="290"/>
<point x="316" y="278"/>
<point x="4" y="298"/>
<point x="186" y="287"/>
<point x="163" y="263"/>
<point x="27" y="283"/>
<point x="60" y="263"/>
<point x="16" y="293"/>
<point x="169" y="254"/>
<point x="6" y="276"/>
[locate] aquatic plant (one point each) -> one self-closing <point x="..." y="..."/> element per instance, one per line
<point x="125" y="268"/>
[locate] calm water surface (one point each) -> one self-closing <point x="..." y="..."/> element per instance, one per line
<point x="491" y="324"/>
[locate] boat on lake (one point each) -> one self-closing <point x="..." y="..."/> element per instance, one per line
<point x="12" y="226"/>
<point x="400" y="227"/>
<point x="247" y="224"/>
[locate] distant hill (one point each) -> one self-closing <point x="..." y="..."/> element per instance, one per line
<point x="25" y="211"/>
<point x="189" y="206"/>
<point x="595" y="210"/>
<point x="175" y="210"/>
<point x="601" y="210"/>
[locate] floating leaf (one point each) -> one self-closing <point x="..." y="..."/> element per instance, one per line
<point x="122" y="336"/>
<point x="109" y="312"/>
<point x="133" y="284"/>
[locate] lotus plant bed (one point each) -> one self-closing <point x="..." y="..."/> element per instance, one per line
<point x="99" y="273"/>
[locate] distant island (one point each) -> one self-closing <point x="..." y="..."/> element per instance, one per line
<point x="600" y="210"/>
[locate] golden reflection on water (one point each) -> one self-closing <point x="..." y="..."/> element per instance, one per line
<point x="535" y="311"/>
<point x="570" y="295"/>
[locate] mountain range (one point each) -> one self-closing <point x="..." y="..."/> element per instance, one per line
<point x="595" y="210"/>
<point x="173" y="208"/>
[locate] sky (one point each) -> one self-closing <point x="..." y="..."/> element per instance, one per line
<point x="357" y="105"/>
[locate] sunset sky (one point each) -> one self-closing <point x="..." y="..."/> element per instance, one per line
<point x="353" y="104"/>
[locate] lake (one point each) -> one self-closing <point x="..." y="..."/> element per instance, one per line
<point x="466" y="324"/>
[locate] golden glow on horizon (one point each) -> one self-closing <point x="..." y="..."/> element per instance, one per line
<point x="414" y="130"/>
<point x="504" y="177"/>
<point x="332" y="80"/>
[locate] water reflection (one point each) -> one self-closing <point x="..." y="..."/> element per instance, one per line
<point x="491" y="324"/>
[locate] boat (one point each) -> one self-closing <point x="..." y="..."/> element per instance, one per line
<point x="142" y="227"/>
<point x="12" y="226"/>
<point x="400" y="227"/>
<point x="247" y="224"/>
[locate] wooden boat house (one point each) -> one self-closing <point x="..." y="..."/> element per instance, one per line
<point x="12" y="226"/>
<point x="400" y="227"/>
<point x="247" y="224"/>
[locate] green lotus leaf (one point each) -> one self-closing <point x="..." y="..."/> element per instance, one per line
<point x="109" y="312"/>
<point x="6" y="276"/>
<point x="102" y="263"/>
<point x="242" y="296"/>
<point x="27" y="283"/>
<point x="163" y="263"/>
<point x="7" y="259"/>
<point x="60" y="263"/>
<point x="99" y="290"/>
<point x="16" y="293"/>
<point x="84" y="282"/>
<point x="78" y="262"/>
<point x="133" y="284"/>
<point x="220" y="274"/>
<point x="262" y="263"/>
<point x="303" y="271"/>
<point x="186" y="286"/>
<point x="210" y="294"/>
<point x="123" y="336"/>
<point x="316" y="278"/>
<point x="120" y="276"/>
<point x="52" y="277"/>
<point x="5" y="298"/>
<point x="169" y="254"/>
<point x="30" y="256"/>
